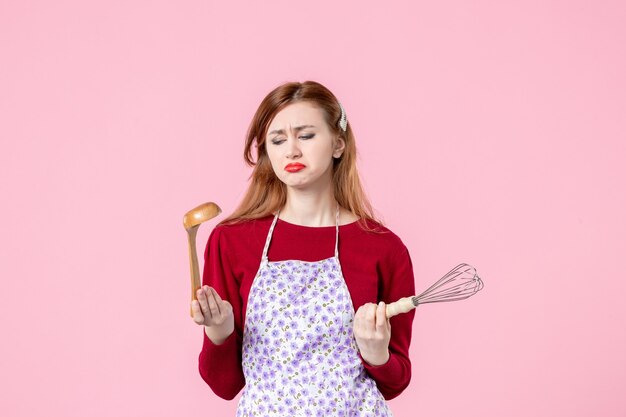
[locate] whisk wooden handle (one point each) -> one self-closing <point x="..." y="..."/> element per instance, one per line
<point x="403" y="305"/>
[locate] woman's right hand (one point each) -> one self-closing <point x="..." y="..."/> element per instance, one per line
<point x="214" y="313"/>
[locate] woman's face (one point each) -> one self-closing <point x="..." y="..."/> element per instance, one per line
<point x="301" y="146"/>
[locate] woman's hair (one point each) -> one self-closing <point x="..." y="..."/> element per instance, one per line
<point x="266" y="193"/>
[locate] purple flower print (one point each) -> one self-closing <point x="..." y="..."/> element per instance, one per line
<point x="298" y="340"/>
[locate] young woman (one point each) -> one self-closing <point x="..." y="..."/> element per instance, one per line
<point x="296" y="280"/>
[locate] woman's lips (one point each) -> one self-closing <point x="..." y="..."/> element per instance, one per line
<point x="294" y="167"/>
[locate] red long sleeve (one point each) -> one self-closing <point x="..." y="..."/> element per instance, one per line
<point x="220" y="365"/>
<point x="376" y="267"/>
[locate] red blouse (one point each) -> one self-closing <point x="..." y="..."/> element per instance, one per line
<point x="376" y="267"/>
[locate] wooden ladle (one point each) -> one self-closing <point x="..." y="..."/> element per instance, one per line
<point x="192" y="220"/>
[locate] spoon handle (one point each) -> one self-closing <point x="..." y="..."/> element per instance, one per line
<point x="193" y="262"/>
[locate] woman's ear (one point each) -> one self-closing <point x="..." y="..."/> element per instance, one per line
<point x="340" y="145"/>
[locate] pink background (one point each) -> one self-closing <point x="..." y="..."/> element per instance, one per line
<point x="489" y="132"/>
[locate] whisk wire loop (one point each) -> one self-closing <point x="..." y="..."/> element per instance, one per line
<point x="458" y="284"/>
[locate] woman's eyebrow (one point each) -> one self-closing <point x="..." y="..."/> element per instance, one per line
<point x="297" y="128"/>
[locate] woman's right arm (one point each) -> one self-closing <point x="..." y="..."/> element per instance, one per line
<point x="219" y="361"/>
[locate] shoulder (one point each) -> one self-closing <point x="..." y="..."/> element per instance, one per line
<point x="386" y="240"/>
<point x="239" y="231"/>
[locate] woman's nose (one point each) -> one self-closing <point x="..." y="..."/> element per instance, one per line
<point x="293" y="148"/>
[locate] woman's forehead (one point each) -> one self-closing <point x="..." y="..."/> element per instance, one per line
<point x="296" y="116"/>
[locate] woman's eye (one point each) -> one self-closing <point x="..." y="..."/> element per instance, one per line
<point x="278" y="142"/>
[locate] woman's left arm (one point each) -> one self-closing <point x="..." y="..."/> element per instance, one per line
<point x="396" y="281"/>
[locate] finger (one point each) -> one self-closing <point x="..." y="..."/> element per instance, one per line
<point x="204" y="303"/>
<point x="370" y="316"/>
<point x="381" y="317"/>
<point x="213" y="307"/>
<point x="357" y="325"/>
<point x="360" y="316"/>
<point x="197" y="314"/>
<point x="218" y="300"/>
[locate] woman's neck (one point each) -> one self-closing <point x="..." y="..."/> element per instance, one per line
<point x="314" y="210"/>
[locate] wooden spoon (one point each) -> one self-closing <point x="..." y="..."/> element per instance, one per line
<point x="192" y="220"/>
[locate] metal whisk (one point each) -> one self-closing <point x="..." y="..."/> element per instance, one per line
<point x="460" y="283"/>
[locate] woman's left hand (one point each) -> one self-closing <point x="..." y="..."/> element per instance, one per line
<point x="372" y="332"/>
